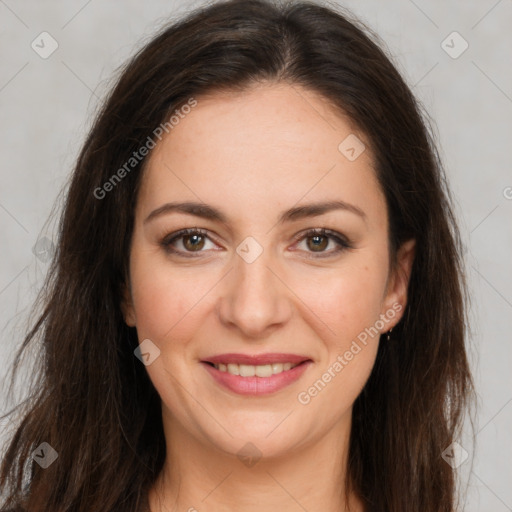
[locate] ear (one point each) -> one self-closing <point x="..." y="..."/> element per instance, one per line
<point x="398" y="282"/>
<point x="127" y="305"/>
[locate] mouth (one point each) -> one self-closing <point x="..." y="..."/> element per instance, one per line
<point x="256" y="375"/>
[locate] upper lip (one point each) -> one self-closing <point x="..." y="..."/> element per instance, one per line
<point x="256" y="360"/>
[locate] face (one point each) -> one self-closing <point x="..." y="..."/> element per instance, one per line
<point x="262" y="276"/>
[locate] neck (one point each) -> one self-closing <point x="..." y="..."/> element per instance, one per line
<point x="198" y="476"/>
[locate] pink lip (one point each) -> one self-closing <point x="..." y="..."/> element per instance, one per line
<point x="256" y="386"/>
<point x="256" y="360"/>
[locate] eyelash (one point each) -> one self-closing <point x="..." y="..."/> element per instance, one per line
<point x="342" y="242"/>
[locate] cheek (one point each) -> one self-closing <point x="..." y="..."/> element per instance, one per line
<point x="347" y="300"/>
<point x="168" y="304"/>
<point x="350" y="306"/>
<point x="164" y="298"/>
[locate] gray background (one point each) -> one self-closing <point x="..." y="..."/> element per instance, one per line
<point x="47" y="105"/>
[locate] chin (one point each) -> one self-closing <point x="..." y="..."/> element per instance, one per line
<point x="255" y="441"/>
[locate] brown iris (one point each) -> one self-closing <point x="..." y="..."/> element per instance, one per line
<point x="196" y="244"/>
<point x="316" y="244"/>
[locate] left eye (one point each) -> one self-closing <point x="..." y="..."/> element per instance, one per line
<point x="317" y="240"/>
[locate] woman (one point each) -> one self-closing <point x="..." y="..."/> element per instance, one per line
<point x="257" y="302"/>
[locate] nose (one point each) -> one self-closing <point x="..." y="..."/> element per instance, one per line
<point x="254" y="299"/>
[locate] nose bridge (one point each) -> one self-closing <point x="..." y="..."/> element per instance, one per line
<point x="255" y="299"/>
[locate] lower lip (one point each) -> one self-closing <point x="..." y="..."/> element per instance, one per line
<point x="257" y="385"/>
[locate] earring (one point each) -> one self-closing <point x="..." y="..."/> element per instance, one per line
<point x="389" y="334"/>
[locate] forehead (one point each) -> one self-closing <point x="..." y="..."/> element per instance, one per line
<point x="267" y="148"/>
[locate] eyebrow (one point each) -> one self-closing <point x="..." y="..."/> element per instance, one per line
<point x="208" y="212"/>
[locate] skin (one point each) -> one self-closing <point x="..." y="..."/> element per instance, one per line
<point x="253" y="155"/>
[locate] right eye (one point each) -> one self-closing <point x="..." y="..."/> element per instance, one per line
<point x="191" y="241"/>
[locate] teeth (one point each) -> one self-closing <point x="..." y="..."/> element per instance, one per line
<point x="232" y="368"/>
<point x="247" y="370"/>
<point x="263" y="370"/>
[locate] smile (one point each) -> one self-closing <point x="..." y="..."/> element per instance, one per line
<point x="267" y="374"/>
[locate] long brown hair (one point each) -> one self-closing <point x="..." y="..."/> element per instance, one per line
<point x="92" y="401"/>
